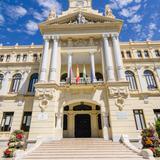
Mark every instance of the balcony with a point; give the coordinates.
(81, 81)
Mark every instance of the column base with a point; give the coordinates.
(105, 134)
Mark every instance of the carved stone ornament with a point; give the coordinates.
(108, 12)
(52, 14)
(44, 95)
(120, 103)
(118, 91)
(43, 104)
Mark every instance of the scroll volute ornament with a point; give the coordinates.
(108, 12)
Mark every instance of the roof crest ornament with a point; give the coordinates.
(52, 14)
(108, 12)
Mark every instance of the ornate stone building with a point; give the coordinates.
(82, 82)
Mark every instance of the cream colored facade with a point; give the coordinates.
(81, 36)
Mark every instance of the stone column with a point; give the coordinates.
(118, 58)
(142, 79)
(70, 124)
(43, 71)
(54, 55)
(59, 120)
(93, 66)
(157, 68)
(69, 64)
(94, 124)
(105, 126)
(109, 67)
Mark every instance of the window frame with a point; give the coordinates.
(3, 126)
(32, 81)
(130, 77)
(140, 115)
(24, 125)
(16, 82)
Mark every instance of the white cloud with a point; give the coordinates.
(1, 20)
(135, 19)
(151, 28)
(50, 4)
(117, 4)
(46, 7)
(130, 11)
(137, 28)
(15, 12)
(31, 27)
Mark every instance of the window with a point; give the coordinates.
(65, 122)
(151, 83)
(6, 121)
(99, 122)
(139, 119)
(157, 113)
(99, 76)
(82, 107)
(8, 58)
(24, 57)
(139, 54)
(64, 77)
(128, 53)
(131, 79)
(16, 80)
(157, 53)
(18, 58)
(35, 57)
(122, 53)
(146, 54)
(33, 80)
(1, 78)
(1, 58)
(26, 121)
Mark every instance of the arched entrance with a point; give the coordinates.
(82, 120)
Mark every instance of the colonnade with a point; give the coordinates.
(110, 59)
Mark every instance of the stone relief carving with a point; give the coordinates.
(80, 43)
(120, 93)
(44, 95)
(120, 103)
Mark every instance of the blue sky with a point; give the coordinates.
(19, 18)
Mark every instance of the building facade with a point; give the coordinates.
(82, 82)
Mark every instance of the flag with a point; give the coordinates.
(84, 74)
(78, 75)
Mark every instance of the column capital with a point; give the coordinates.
(106, 35)
(69, 53)
(55, 37)
(70, 42)
(46, 38)
(115, 35)
(91, 53)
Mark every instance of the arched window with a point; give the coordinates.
(16, 80)
(33, 80)
(131, 79)
(1, 79)
(64, 77)
(99, 76)
(151, 82)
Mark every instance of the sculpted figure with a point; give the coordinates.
(109, 12)
(52, 14)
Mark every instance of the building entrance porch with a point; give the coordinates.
(82, 121)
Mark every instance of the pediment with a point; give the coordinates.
(80, 18)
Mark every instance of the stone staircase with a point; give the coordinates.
(83, 149)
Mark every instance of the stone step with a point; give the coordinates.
(83, 149)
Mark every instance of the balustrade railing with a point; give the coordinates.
(87, 80)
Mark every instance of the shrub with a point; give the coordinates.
(157, 125)
(16, 141)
